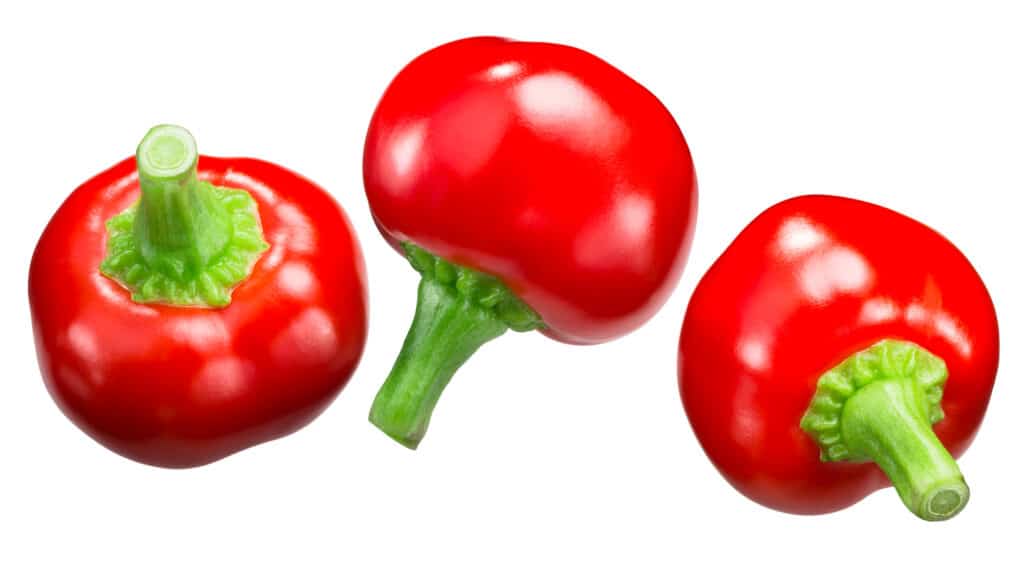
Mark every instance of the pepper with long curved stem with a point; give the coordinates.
(541, 187)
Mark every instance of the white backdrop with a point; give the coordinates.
(542, 457)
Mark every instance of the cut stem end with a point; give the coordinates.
(944, 502)
(166, 151)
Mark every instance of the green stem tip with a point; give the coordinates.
(457, 311)
(186, 242)
(880, 405)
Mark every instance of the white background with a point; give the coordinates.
(542, 457)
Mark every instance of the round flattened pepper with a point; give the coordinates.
(836, 345)
(533, 186)
(186, 307)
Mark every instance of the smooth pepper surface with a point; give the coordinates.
(544, 166)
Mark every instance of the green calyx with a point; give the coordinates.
(481, 290)
(457, 311)
(886, 360)
(186, 242)
(880, 405)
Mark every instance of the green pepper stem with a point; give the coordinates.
(180, 226)
(447, 329)
(884, 422)
(880, 405)
(186, 242)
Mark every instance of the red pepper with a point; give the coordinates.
(533, 186)
(820, 349)
(185, 326)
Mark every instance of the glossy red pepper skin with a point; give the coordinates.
(180, 387)
(544, 166)
(808, 283)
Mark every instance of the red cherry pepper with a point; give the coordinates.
(184, 312)
(814, 353)
(533, 186)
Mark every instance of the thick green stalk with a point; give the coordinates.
(880, 405)
(180, 225)
(457, 311)
(186, 242)
(883, 422)
(446, 330)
